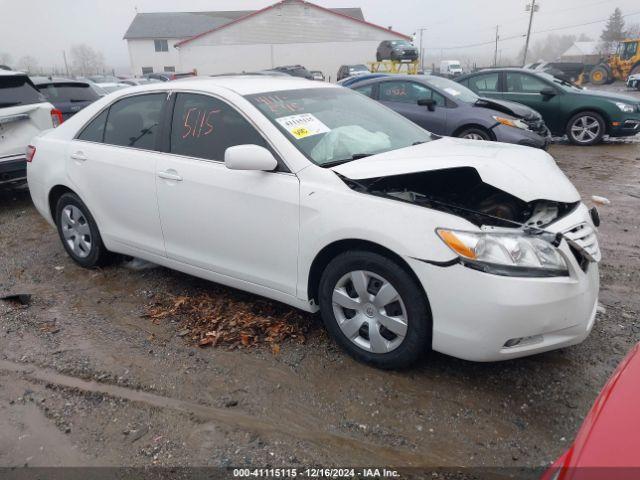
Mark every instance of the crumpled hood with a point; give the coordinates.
(514, 109)
(527, 173)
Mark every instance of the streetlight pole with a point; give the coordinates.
(534, 8)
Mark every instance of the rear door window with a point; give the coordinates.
(523, 83)
(18, 90)
(487, 82)
(68, 92)
(366, 90)
(94, 132)
(408, 92)
(135, 121)
(204, 127)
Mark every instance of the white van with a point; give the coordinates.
(450, 68)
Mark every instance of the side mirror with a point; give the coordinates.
(249, 157)
(430, 103)
(548, 92)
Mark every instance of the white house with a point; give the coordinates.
(583, 52)
(287, 33)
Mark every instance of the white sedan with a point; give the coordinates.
(319, 197)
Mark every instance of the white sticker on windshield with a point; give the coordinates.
(303, 125)
(452, 91)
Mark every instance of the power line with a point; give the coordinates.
(512, 37)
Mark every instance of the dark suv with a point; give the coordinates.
(295, 71)
(396, 50)
(68, 96)
(347, 71)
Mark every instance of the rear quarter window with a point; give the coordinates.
(94, 131)
(18, 90)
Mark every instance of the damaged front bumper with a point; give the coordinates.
(484, 317)
(519, 136)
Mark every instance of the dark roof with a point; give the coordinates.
(52, 80)
(190, 24)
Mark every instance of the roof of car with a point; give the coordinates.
(10, 72)
(241, 84)
(500, 69)
(46, 80)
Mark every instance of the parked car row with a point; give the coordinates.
(445, 107)
(556, 107)
(585, 116)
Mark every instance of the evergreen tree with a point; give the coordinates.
(614, 30)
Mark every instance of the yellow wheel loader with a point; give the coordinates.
(620, 65)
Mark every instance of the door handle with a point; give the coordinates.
(170, 175)
(80, 156)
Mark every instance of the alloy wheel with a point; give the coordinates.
(473, 136)
(370, 311)
(76, 231)
(585, 129)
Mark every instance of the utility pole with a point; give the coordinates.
(421, 30)
(532, 8)
(66, 65)
(495, 53)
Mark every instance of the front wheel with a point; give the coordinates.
(79, 232)
(599, 75)
(474, 133)
(375, 310)
(585, 129)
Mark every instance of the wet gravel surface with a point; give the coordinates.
(85, 380)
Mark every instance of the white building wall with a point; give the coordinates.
(290, 33)
(293, 23)
(142, 53)
(326, 57)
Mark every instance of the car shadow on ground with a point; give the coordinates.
(15, 196)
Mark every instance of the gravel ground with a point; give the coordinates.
(85, 380)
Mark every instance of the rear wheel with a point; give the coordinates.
(585, 128)
(79, 232)
(375, 310)
(599, 75)
(474, 133)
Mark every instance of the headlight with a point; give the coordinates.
(625, 107)
(511, 122)
(516, 254)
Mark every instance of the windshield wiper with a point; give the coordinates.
(355, 156)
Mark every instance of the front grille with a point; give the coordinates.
(537, 125)
(584, 243)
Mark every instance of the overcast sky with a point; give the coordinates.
(44, 28)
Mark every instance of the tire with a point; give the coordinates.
(74, 221)
(378, 57)
(585, 129)
(474, 133)
(407, 312)
(599, 75)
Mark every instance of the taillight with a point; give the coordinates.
(31, 152)
(56, 117)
